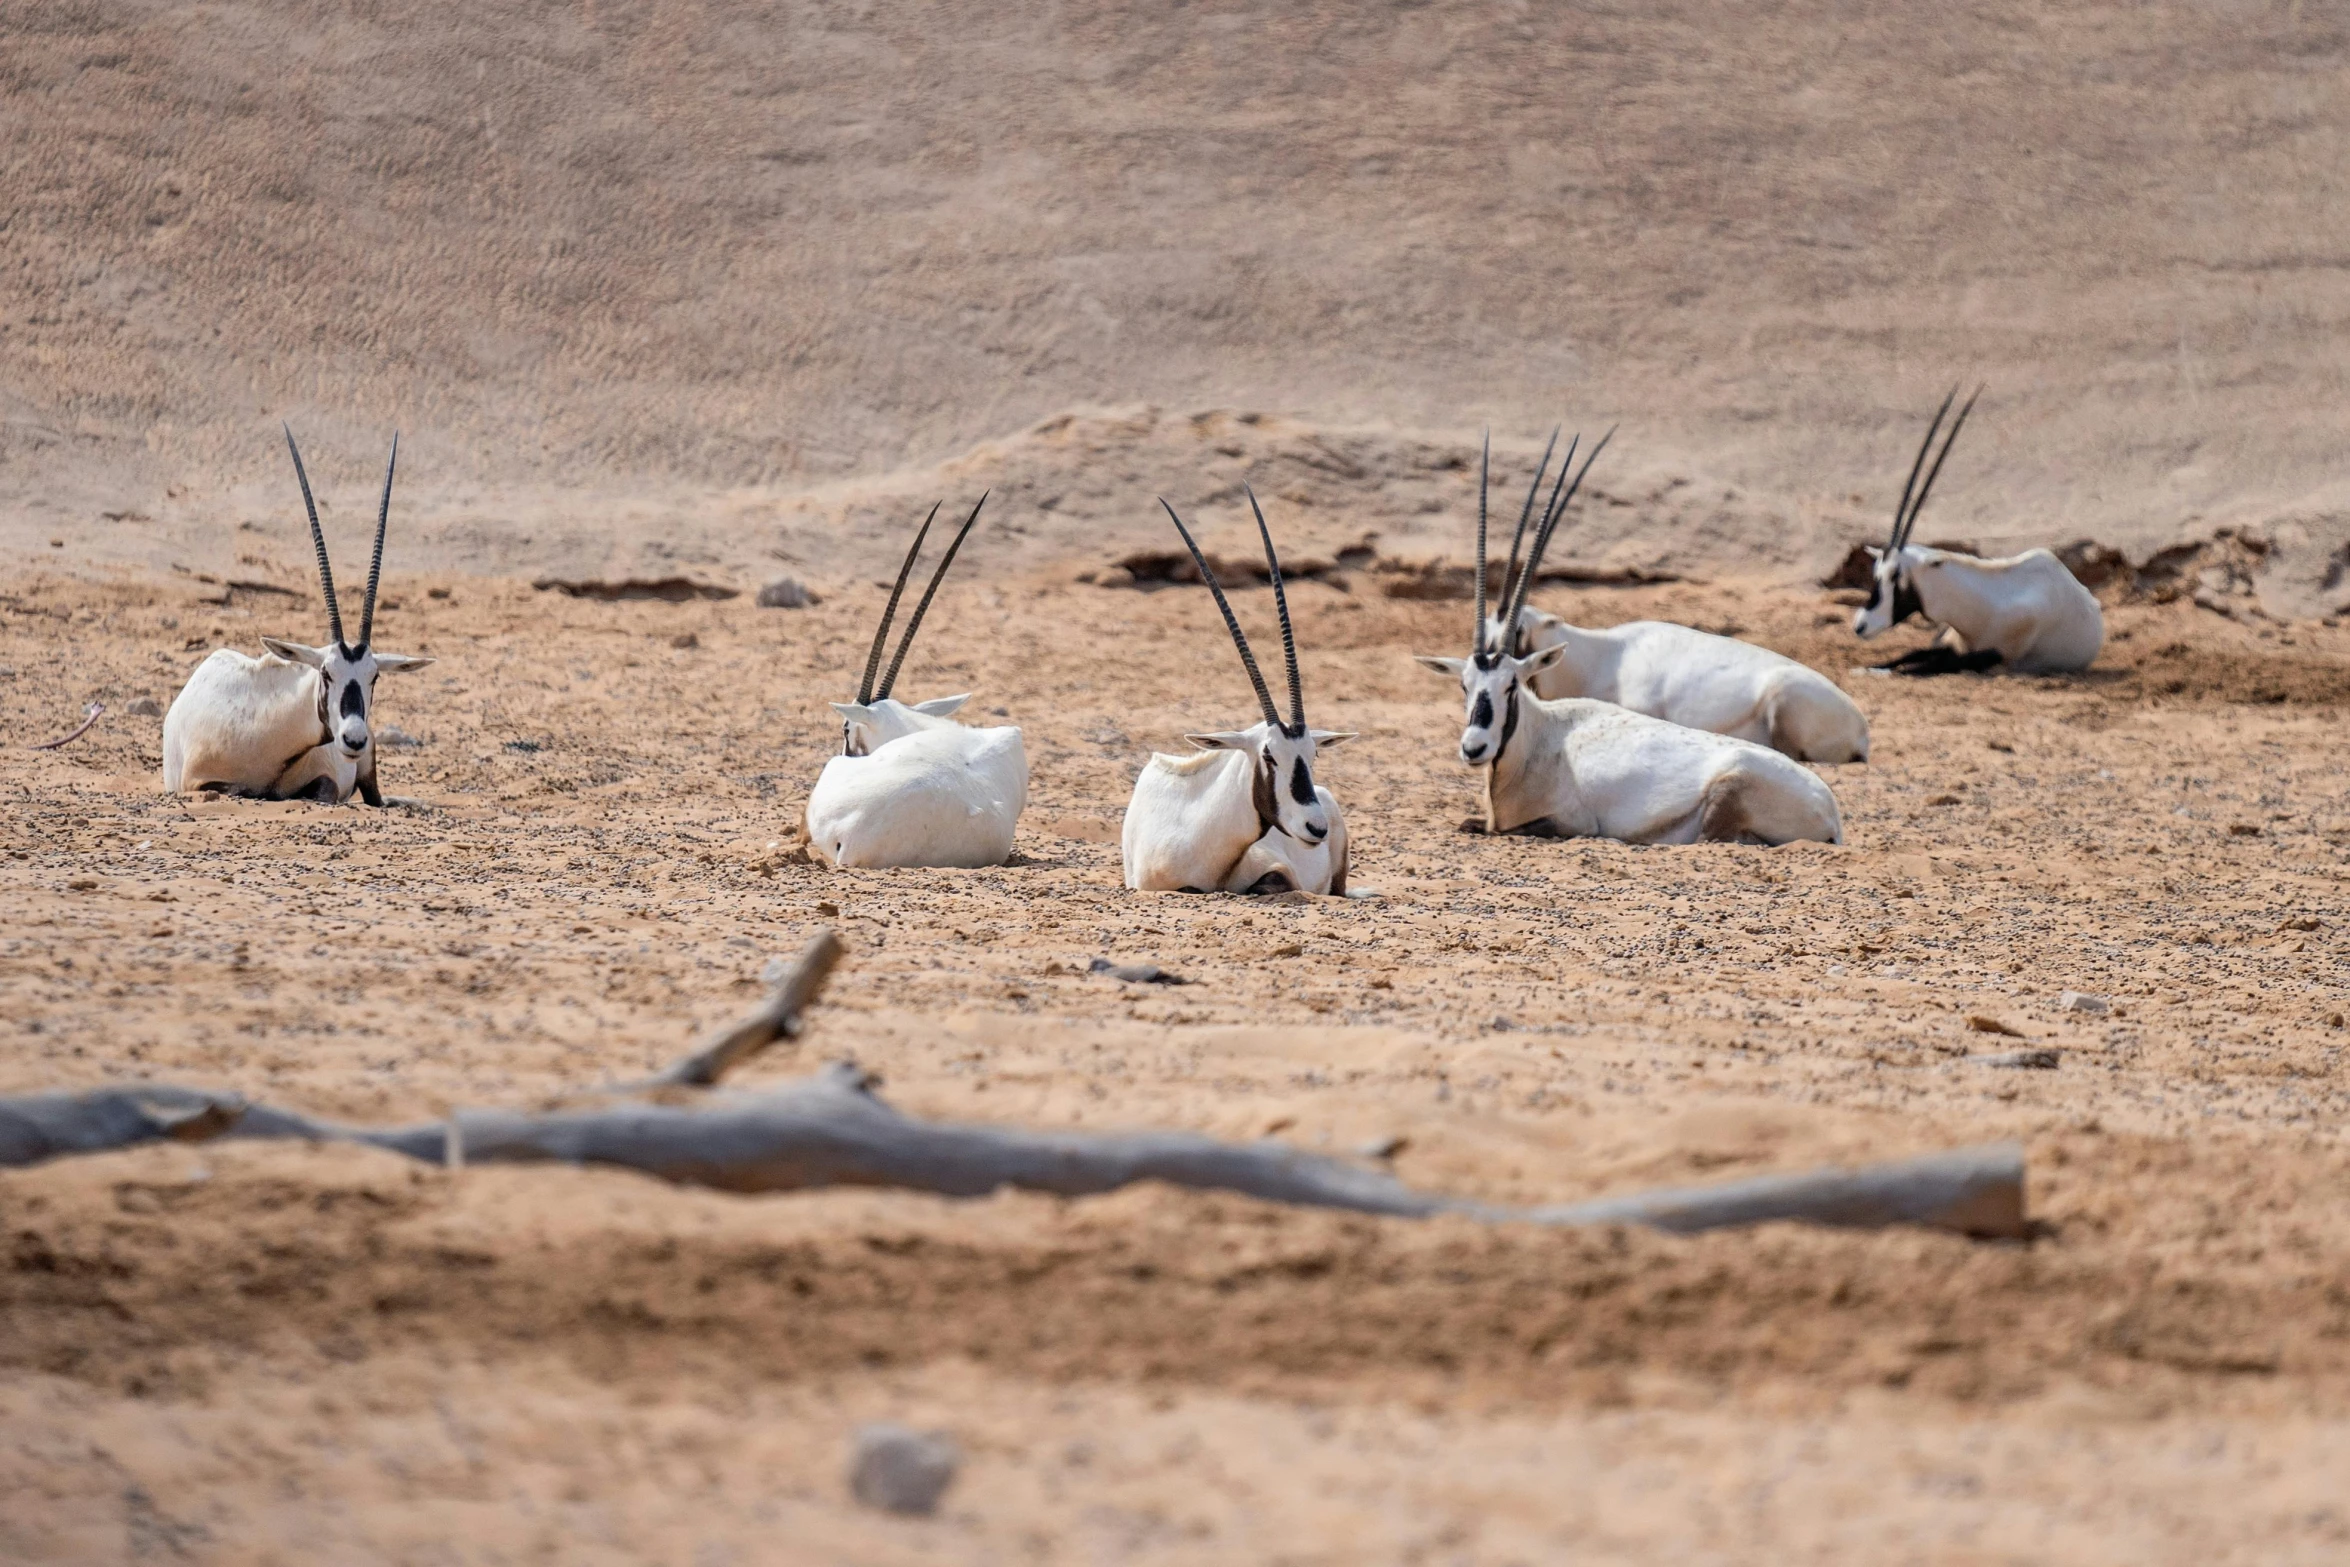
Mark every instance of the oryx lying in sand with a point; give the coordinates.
(1578, 767)
(911, 786)
(1688, 676)
(293, 724)
(1242, 813)
(2026, 612)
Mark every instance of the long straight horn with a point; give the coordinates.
(1550, 521)
(1231, 621)
(375, 566)
(1896, 539)
(326, 573)
(1524, 512)
(1297, 691)
(890, 680)
(881, 632)
(1550, 511)
(1484, 472)
(1932, 473)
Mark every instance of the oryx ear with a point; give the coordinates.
(1324, 739)
(1227, 740)
(854, 712)
(942, 706)
(400, 663)
(1443, 666)
(1542, 658)
(295, 652)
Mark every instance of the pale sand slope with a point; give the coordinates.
(624, 271)
(282, 1355)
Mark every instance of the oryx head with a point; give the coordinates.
(876, 718)
(1283, 752)
(1892, 597)
(347, 669)
(1493, 674)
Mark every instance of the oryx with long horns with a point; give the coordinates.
(1243, 813)
(1578, 767)
(2024, 612)
(911, 786)
(293, 724)
(1667, 671)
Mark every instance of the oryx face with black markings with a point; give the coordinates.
(1493, 683)
(1494, 679)
(1283, 756)
(347, 668)
(1282, 750)
(1893, 597)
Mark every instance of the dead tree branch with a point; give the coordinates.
(831, 1129)
(90, 715)
(776, 1018)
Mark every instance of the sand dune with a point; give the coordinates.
(710, 295)
(610, 247)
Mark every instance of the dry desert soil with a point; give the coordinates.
(711, 294)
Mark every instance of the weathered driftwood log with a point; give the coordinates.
(832, 1130)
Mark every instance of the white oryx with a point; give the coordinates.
(1578, 767)
(911, 786)
(2026, 612)
(292, 724)
(1678, 673)
(1242, 813)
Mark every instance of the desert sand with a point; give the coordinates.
(730, 293)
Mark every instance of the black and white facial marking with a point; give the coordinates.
(1282, 783)
(346, 688)
(1494, 675)
(1493, 683)
(1283, 750)
(347, 669)
(1892, 596)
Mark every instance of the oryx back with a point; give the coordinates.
(2029, 607)
(241, 725)
(1628, 776)
(912, 787)
(1244, 813)
(950, 796)
(1704, 681)
(1191, 819)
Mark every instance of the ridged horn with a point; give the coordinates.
(889, 681)
(881, 632)
(1297, 693)
(375, 565)
(326, 572)
(1231, 621)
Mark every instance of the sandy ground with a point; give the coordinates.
(250, 1354)
(734, 290)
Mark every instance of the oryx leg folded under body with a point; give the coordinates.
(2024, 612)
(1199, 823)
(293, 724)
(1243, 813)
(913, 787)
(1579, 768)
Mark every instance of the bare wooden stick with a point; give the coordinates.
(776, 1018)
(831, 1129)
(90, 715)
